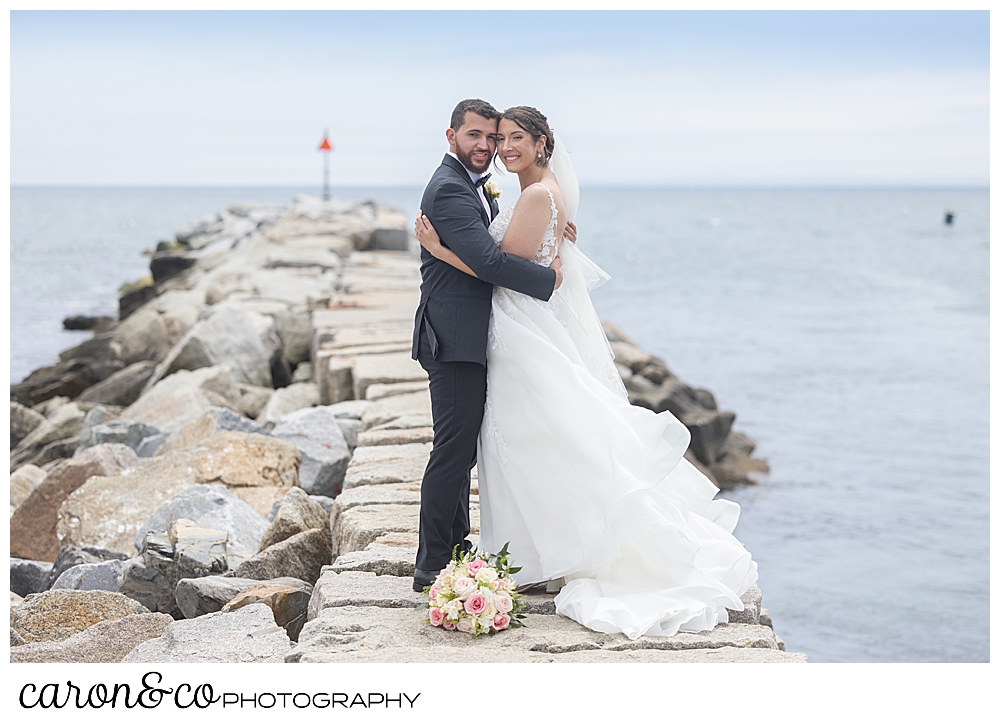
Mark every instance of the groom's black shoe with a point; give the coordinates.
(422, 578)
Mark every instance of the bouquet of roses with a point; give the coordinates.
(475, 594)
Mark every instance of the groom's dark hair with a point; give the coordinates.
(477, 106)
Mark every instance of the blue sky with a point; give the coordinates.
(640, 98)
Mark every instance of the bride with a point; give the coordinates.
(584, 486)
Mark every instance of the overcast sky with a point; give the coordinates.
(639, 98)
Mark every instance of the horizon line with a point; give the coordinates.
(596, 186)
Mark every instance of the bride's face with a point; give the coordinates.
(516, 149)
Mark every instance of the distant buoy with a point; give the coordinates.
(949, 217)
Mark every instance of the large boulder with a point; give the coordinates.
(301, 556)
(294, 328)
(325, 454)
(67, 378)
(66, 422)
(143, 336)
(22, 482)
(289, 603)
(708, 432)
(289, 399)
(297, 513)
(101, 426)
(108, 511)
(247, 635)
(91, 576)
(184, 396)
(202, 595)
(70, 556)
(105, 642)
(212, 421)
(33, 525)
(29, 576)
(58, 614)
(242, 340)
(214, 507)
(23, 420)
(253, 400)
(123, 387)
(167, 557)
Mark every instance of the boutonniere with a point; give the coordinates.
(493, 190)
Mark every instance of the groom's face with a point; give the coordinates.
(474, 142)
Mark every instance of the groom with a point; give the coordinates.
(450, 328)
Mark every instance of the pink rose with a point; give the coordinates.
(466, 625)
(475, 566)
(448, 624)
(504, 603)
(501, 621)
(475, 603)
(437, 617)
(465, 586)
(435, 589)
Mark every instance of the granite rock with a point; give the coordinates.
(301, 556)
(184, 396)
(202, 595)
(23, 420)
(22, 483)
(289, 399)
(289, 603)
(34, 525)
(57, 614)
(65, 423)
(105, 642)
(325, 455)
(121, 388)
(212, 507)
(297, 513)
(212, 421)
(387, 464)
(70, 556)
(91, 576)
(247, 635)
(29, 576)
(232, 336)
(185, 551)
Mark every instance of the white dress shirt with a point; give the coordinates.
(479, 191)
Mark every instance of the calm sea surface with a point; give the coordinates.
(848, 329)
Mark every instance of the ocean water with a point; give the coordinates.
(848, 330)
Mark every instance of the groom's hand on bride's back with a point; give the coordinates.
(556, 266)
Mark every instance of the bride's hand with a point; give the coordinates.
(569, 233)
(426, 234)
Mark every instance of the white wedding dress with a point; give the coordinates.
(585, 486)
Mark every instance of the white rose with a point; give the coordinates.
(465, 586)
(503, 602)
(453, 609)
(487, 576)
(466, 625)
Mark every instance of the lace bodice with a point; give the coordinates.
(549, 247)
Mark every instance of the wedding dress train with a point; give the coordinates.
(585, 486)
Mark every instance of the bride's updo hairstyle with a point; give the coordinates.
(536, 125)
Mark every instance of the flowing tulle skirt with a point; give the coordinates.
(586, 487)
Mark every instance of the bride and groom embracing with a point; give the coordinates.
(589, 491)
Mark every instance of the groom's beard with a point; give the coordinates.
(469, 163)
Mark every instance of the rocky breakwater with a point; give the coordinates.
(172, 477)
(230, 471)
